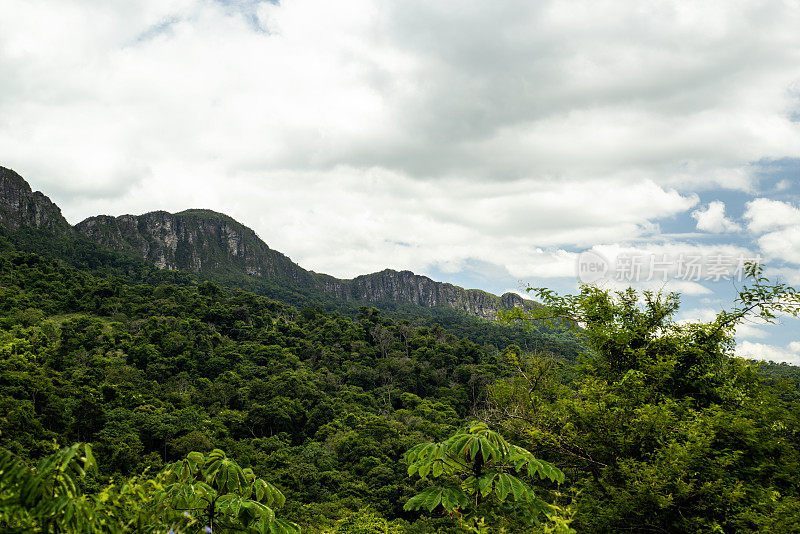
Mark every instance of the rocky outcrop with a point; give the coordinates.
(198, 241)
(203, 241)
(211, 243)
(405, 286)
(21, 207)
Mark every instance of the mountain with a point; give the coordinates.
(20, 207)
(405, 286)
(197, 241)
(216, 246)
(207, 242)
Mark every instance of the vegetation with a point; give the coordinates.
(659, 430)
(207, 490)
(223, 494)
(319, 405)
(46, 497)
(121, 386)
(475, 470)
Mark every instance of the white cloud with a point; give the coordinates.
(684, 287)
(697, 315)
(785, 274)
(749, 331)
(674, 259)
(351, 221)
(783, 244)
(712, 219)
(764, 214)
(760, 351)
(359, 135)
(779, 224)
(679, 93)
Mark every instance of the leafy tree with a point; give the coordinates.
(478, 473)
(50, 497)
(226, 496)
(660, 428)
(47, 496)
(365, 522)
(657, 428)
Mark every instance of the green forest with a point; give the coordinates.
(133, 400)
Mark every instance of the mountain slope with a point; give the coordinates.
(216, 246)
(198, 241)
(405, 286)
(20, 207)
(210, 243)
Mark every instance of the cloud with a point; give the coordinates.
(679, 94)
(351, 221)
(779, 224)
(760, 351)
(684, 287)
(675, 260)
(749, 331)
(789, 275)
(713, 219)
(359, 135)
(764, 214)
(783, 244)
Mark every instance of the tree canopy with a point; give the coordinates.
(120, 390)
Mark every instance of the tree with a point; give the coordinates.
(383, 337)
(660, 428)
(46, 498)
(226, 496)
(627, 330)
(478, 473)
(365, 522)
(221, 495)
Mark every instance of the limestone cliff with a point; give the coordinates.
(198, 241)
(405, 286)
(211, 243)
(21, 207)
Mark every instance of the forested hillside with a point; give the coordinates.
(217, 247)
(171, 380)
(399, 267)
(147, 372)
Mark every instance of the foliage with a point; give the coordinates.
(227, 496)
(366, 522)
(659, 428)
(47, 496)
(761, 299)
(477, 472)
(656, 428)
(51, 497)
(150, 371)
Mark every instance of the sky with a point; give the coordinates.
(488, 144)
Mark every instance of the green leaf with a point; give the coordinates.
(428, 499)
(474, 448)
(503, 486)
(437, 468)
(485, 483)
(453, 499)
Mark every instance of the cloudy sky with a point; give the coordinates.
(484, 143)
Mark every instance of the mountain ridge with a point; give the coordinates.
(207, 242)
(20, 206)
